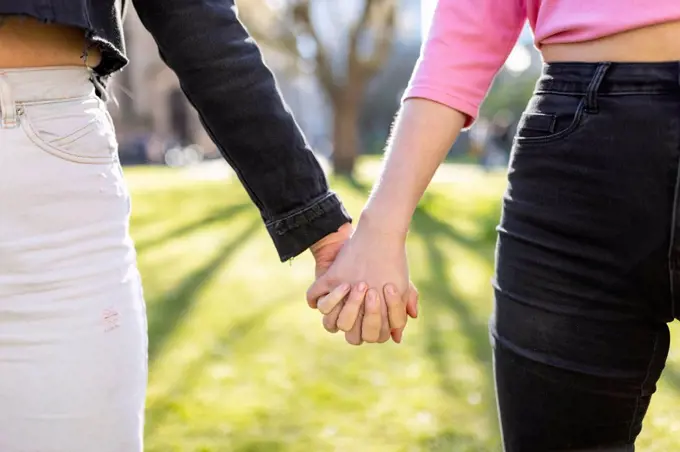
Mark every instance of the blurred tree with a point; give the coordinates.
(343, 71)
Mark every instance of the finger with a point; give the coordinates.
(412, 303)
(396, 308)
(397, 335)
(370, 325)
(350, 310)
(354, 335)
(411, 310)
(330, 320)
(328, 302)
(317, 290)
(385, 324)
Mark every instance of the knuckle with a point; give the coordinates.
(345, 325)
(356, 297)
(370, 335)
(392, 300)
(398, 321)
(373, 309)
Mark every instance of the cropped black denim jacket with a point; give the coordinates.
(223, 75)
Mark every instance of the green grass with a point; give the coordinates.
(239, 363)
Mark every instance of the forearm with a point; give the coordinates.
(222, 73)
(467, 45)
(423, 135)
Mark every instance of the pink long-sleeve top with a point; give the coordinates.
(470, 40)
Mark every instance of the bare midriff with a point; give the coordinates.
(655, 43)
(26, 42)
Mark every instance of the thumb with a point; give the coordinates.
(318, 289)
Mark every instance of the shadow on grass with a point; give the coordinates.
(424, 221)
(261, 445)
(181, 231)
(158, 412)
(448, 441)
(426, 224)
(437, 289)
(166, 312)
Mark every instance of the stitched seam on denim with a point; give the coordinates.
(314, 203)
(578, 119)
(63, 155)
(74, 136)
(594, 87)
(674, 224)
(577, 314)
(305, 216)
(559, 364)
(55, 100)
(528, 126)
(615, 93)
(61, 141)
(642, 388)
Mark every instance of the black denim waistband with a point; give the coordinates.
(610, 78)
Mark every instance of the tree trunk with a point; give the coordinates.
(345, 137)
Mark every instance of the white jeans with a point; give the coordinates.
(73, 345)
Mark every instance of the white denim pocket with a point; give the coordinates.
(76, 130)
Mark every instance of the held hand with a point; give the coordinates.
(374, 258)
(325, 251)
(333, 303)
(392, 298)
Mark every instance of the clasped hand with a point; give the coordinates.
(362, 285)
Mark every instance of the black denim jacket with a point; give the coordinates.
(222, 73)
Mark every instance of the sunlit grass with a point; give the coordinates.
(239, 363)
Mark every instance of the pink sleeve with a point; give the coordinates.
(468, 43)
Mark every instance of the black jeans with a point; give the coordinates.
(588, 256)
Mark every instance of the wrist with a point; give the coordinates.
(343, 233)
(383, 223)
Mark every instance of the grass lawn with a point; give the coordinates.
(239, 363)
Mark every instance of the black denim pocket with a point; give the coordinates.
(550, 117)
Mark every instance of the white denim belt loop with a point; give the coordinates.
(7, 105)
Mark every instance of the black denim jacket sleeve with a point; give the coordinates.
(222, 73)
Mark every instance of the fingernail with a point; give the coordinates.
(361, 287)
(390, 289)
(344, 287)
